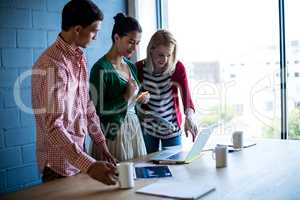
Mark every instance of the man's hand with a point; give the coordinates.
(104, 172)
(105, 155)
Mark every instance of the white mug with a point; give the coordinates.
(220, 155)
(238, 139)
(126, 175)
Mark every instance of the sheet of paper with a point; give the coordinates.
(175, 189)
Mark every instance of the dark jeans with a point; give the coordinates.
(152, 143)
(50, 175)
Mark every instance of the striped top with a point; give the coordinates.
(179, 82)
(161, 104)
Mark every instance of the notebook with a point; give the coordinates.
(177, 189)
(178, 156)
(153, 172)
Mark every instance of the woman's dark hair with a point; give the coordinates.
(80, 12)
(124, 25)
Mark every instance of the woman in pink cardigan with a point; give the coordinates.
(162, 76)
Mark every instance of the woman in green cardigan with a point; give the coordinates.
(114, 92)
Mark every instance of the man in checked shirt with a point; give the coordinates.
(60, 99)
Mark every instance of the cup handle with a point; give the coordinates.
(213, 154)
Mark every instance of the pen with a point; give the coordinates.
(246, 146)
(233, 150)
(170, 162)
(250, 145)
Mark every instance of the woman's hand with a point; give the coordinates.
(130, 89)
(143, 98)
(190, 125)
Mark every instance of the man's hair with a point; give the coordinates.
(80, 12)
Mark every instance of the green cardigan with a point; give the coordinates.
(106, 91)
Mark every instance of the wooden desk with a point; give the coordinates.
(268, 170)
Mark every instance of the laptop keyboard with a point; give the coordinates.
(165, 154)
(179, 156)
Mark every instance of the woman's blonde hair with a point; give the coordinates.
(165, 38)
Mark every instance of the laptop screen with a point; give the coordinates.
(199, 143)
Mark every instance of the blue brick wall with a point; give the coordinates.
(10, 157)
(2, 180)
(28, 154)
(15, 18)
(8, 77)
(27, 27)
(24, 57)
(39, 35)
(2, 93)
(8, 38)
(23, 175)
(1, 139)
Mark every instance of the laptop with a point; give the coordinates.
(179, 156)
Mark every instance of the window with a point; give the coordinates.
(145, 12)
(234, 51)
(292, 55)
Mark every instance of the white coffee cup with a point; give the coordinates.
(126, 175)
(238, 139)
(220, 155)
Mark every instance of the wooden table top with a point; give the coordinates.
(268, 170)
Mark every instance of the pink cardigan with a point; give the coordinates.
(179, 80)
